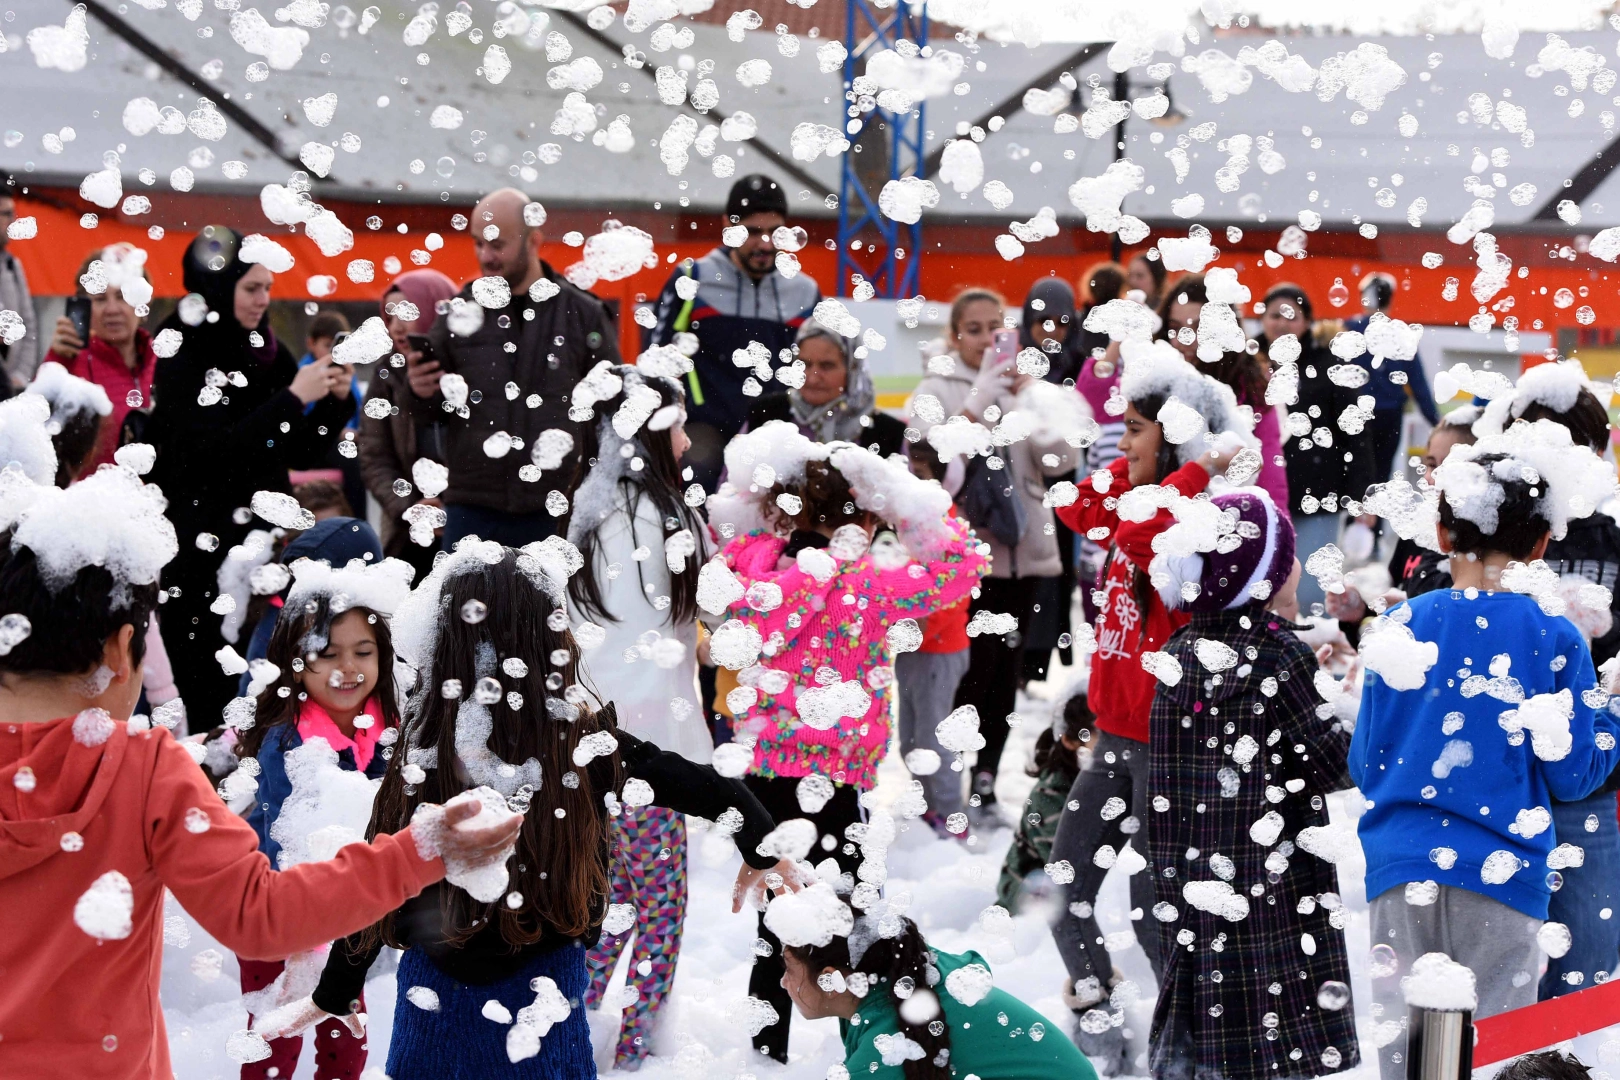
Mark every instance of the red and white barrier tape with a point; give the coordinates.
(1507, 1035)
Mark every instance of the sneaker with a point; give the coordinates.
(1105, 1049)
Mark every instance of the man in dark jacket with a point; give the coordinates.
(509, 353)
(728, 299)
(1391, 380)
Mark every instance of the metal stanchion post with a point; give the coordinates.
(1439, 1044)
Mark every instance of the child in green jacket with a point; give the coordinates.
(906, 1010)
(1056, 761)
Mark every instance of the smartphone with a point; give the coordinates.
(78, 313)
(1004, 346)
(423, 345)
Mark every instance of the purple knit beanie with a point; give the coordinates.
(1261, 549)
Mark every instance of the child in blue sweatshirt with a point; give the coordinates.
(1479, 710)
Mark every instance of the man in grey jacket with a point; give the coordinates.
(21, 357)
(499, 375)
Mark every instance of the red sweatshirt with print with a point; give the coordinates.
(1121, 691)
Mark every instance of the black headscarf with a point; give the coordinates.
(211, 268)
(1057, 305)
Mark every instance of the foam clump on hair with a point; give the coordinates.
(813, 916)
(1567, 481)
(1156, 369)
(382, 587)
(67, 394)
(111, 520)
(415, 624)
(25, 439)
(1555, 386)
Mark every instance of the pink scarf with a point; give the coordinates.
(313, 722)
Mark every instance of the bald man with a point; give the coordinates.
(520, 361)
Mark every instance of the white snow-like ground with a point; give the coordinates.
(702, 1032)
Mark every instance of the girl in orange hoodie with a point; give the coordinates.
(100, 812)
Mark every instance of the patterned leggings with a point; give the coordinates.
(649, 874)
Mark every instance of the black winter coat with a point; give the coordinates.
(566, 337)
(1327, 460)
(212, 458)
(1241, 996)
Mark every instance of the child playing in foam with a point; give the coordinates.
(1479, 709)
(102, 813)
(331, 703)
(642, 546)
(1240, 757)
(1172, 416)
(812, 598)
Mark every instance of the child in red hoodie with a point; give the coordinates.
(100, 812)
(1107, 804)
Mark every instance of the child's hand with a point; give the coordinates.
(297, 1017)
(753, 884)
(476, 847)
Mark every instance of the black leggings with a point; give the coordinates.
(780, 796)
(995, 664)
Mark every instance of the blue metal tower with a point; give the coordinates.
(890, 146)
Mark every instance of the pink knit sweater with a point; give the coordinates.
(840, 625)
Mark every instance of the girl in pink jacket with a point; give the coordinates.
(817, 596)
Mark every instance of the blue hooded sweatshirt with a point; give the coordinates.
(1459, 791)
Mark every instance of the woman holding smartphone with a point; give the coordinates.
(978, 380)
(101, 339)
(392, 444)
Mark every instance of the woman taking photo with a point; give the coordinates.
(837, 402)
(118, 357)
(1326, 464)
(220, 440)
(389, 446)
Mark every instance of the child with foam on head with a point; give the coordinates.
(812, 598)
(634, 604)
(909, 1010)
(1181, 429)
(1587, 560)
(495, 964)
(1480, 707)
(102, 812)
(1242, 749)
(326, 702)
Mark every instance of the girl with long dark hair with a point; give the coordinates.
(1133, 622)
(910, 1010)
(333, 681)
(642, 546)
(498, 703)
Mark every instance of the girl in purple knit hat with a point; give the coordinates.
(1243, 748)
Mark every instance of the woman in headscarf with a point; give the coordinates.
(228, 421)
(1049, 324)
(389, 446)
(836, 401)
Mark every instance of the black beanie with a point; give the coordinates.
(213, 266)
(755, 194)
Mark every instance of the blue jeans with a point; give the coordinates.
(513, 530)
(1589, 891)
(1312, 531)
